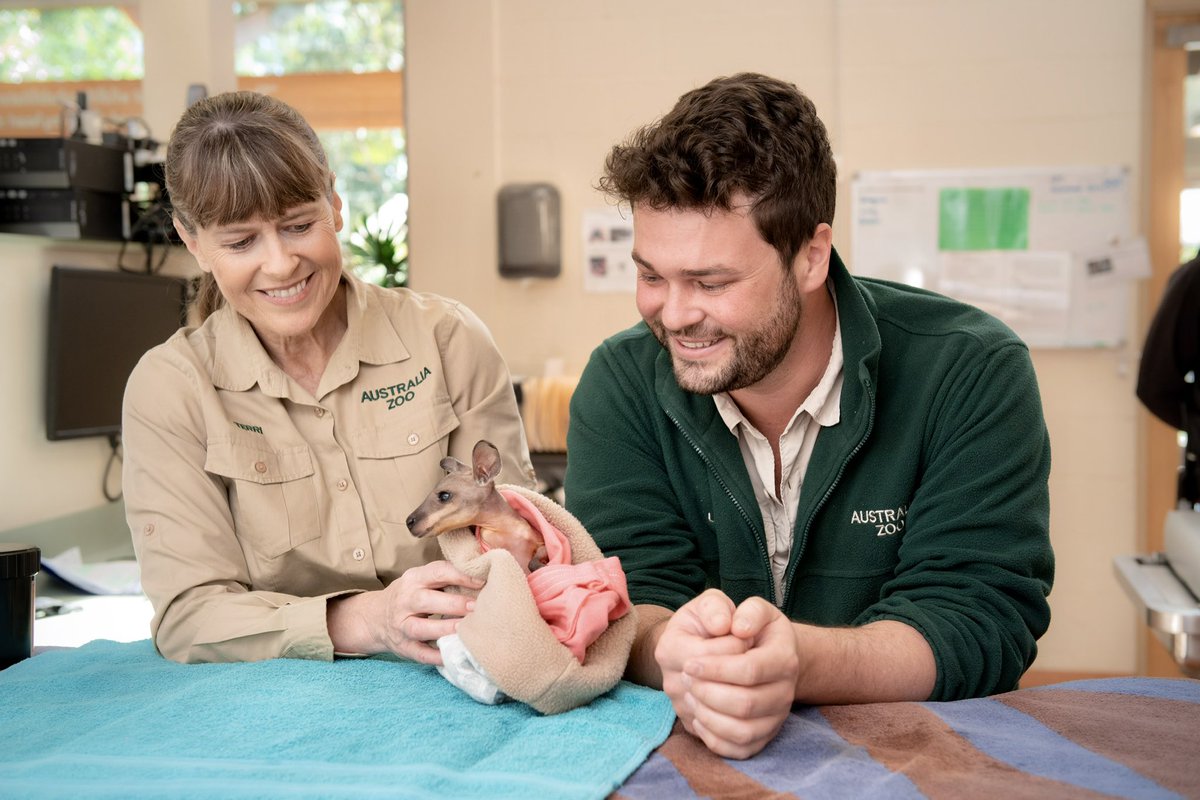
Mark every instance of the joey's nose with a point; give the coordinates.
(411, 521)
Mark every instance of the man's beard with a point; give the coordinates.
(755, 353)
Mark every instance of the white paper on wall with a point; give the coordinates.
(1050, 251)
(607, 251)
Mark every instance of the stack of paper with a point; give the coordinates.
(105, 577)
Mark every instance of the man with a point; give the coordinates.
(823, 489)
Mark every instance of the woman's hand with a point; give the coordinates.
(404, 618)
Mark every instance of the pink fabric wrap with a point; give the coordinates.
(578, 601)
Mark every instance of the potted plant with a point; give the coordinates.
(379, 245)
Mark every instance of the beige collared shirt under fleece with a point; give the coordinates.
(251, 501)
(778, 507)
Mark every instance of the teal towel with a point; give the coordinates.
(117, 720)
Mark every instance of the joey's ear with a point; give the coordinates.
(452, 464)
(487, 462)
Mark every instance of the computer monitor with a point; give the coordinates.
(100, 324)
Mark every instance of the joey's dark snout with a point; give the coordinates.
(419, 524)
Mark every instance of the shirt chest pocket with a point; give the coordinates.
(400, 462)
(272, 494)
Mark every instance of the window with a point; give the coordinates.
(340, 63)
(69, 44)
(48, 55)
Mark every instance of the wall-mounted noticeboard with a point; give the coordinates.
(1050, 251)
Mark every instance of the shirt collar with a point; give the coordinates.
(375, 338)
(239, 359)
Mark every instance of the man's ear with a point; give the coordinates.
(812, 262)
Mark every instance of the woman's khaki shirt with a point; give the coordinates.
(251, 502)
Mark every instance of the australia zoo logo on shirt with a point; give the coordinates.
(885, 521)
(397, 394)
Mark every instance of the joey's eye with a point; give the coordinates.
(444, 497)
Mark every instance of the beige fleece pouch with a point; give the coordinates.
(510, 640)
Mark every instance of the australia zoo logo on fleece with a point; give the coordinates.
(397, 394)
(885, 521)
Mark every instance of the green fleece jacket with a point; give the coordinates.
(927, 503)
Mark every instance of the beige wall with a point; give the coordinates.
(506, 91)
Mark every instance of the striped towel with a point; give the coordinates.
(1126, 737)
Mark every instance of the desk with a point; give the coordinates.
(101, 534)
(1128, 737)
(119, 618)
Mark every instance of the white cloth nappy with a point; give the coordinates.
(461, 669)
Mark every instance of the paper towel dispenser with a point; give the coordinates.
(530, 242)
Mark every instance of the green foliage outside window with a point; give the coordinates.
(319, 36)
(69, 44)
(378, 244)
(372, 179)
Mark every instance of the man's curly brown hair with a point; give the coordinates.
(747, 134)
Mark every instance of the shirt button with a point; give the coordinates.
(359, 554)
(342, 484)
(149, 529)
(260, 467)
(320, 412)
(413, 438)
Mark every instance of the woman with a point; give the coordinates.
(273, 453)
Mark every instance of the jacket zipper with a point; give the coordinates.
(791, 570)
(762, 548)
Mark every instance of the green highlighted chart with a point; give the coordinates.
(1049, 251)
(983, 219)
